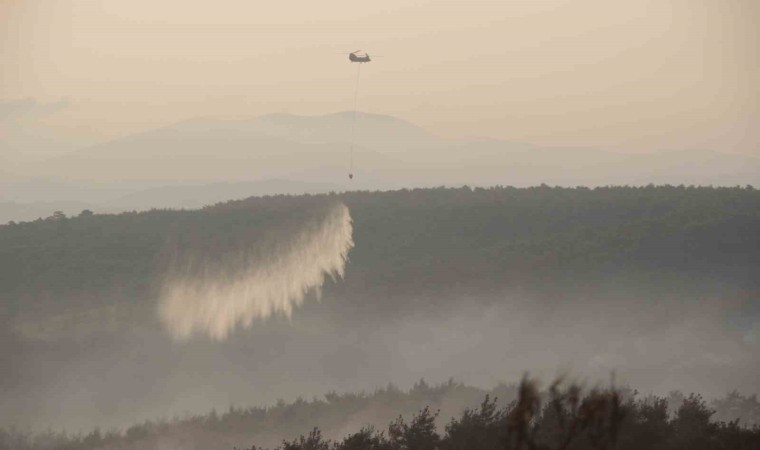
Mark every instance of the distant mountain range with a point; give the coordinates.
(175, 197)
(206, 160)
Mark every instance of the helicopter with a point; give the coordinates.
(357, 58)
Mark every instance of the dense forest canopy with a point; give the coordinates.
(416, 240)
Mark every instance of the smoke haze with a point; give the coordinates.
(633, 75)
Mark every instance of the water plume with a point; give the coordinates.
(254, 283)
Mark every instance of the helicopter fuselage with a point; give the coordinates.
(353, 57)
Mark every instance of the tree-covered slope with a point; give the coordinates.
(419, 242)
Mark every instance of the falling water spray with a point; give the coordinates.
(213, 299)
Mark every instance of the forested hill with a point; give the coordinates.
(454, 236)
(414, 242)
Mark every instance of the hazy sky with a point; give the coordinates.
(632, 75)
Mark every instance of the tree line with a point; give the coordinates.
(449, 416)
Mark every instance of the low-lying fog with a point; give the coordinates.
(118, 380)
